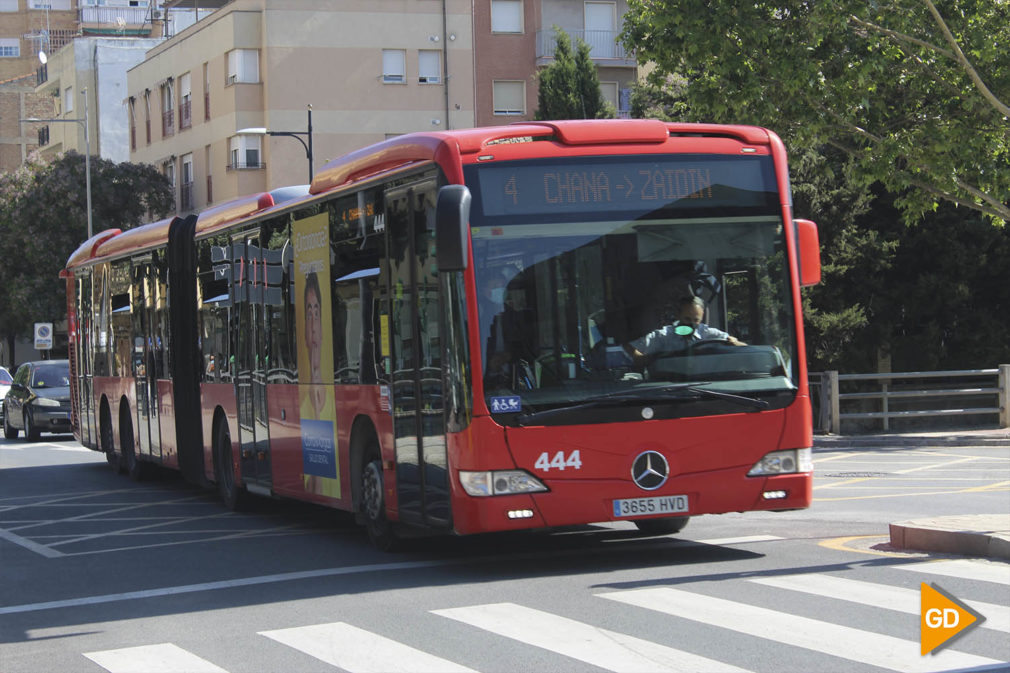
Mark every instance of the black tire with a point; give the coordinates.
(674, 524)
(234, 496)
(109, 443)
(373, 503)
(10, 432)
(32, 433)
(134, 467)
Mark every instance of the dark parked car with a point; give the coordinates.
(39, 400)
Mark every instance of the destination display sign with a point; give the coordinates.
(634, 184)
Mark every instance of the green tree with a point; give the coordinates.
(569, 88)
(913, 92)
(43, 219)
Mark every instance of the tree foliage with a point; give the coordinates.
(43, 219)
(915, 93)
(569, 88)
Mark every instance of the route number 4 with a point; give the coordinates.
(559, 461)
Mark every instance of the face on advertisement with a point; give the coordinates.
(313, 327)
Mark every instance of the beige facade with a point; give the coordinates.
(369, 70)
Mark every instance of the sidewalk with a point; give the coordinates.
(971, 437)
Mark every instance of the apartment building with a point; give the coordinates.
(26, 28)
(369, 71)
(516, 38)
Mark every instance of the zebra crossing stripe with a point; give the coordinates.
(982, 571)
(163, 658)
(592, 645)
(837, 640)
(359, 651)
(879, 596)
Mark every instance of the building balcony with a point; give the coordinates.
(115, 20)
(604, 48)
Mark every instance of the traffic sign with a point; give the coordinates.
(43, 336)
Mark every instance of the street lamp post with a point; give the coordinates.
(87, 150)
(297, 135)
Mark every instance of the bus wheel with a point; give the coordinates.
(108, 443)
(373, 505)
(134, 467)
(32, 433)
(669, 526)
(234, 496)
(10, 432)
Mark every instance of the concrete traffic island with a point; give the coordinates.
(983, 535)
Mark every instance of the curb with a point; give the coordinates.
(983, 536)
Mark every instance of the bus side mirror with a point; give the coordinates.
(810, 253)
(452, 217)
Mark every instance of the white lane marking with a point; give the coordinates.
(592, 645)
(29, 544)
(983, 571)
(163, 658)
(223, 584)
(997, 617)
(837, 640)
(360, 651)
(739, 540)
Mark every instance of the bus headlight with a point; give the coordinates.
(499, 482)
(789, 461)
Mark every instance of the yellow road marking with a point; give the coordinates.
(839, 544)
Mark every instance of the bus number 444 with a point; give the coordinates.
(559, 462)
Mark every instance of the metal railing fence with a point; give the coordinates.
(862, 400)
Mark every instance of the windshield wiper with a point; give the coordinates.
(675, 392)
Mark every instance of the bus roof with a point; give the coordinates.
(89, 248)
(426, 146)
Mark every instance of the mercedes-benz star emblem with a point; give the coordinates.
(650, 470)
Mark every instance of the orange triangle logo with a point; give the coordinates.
(942, 618)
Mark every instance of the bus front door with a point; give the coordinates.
(414, 315)
(251, 362)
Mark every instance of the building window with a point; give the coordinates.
(244, 152)
(206, 92)
(610, 93)
(185, 102)
(68, 100)
(167, 110)
(10, 47)
(8, 6)
(429, 66)
(243, 66)
(186, 186)
(394, 69)
(506, 16)
(509, 97)
(601, 29)
(133, 123)
(147, 115)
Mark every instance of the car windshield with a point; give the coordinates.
(51, 376)
(5, 377)
(577, 306)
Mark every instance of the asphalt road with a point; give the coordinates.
(99, 573)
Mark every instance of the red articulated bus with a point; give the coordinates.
(529, 326)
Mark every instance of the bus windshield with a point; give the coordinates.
(611, 280)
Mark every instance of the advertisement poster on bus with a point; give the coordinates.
(320, 471)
